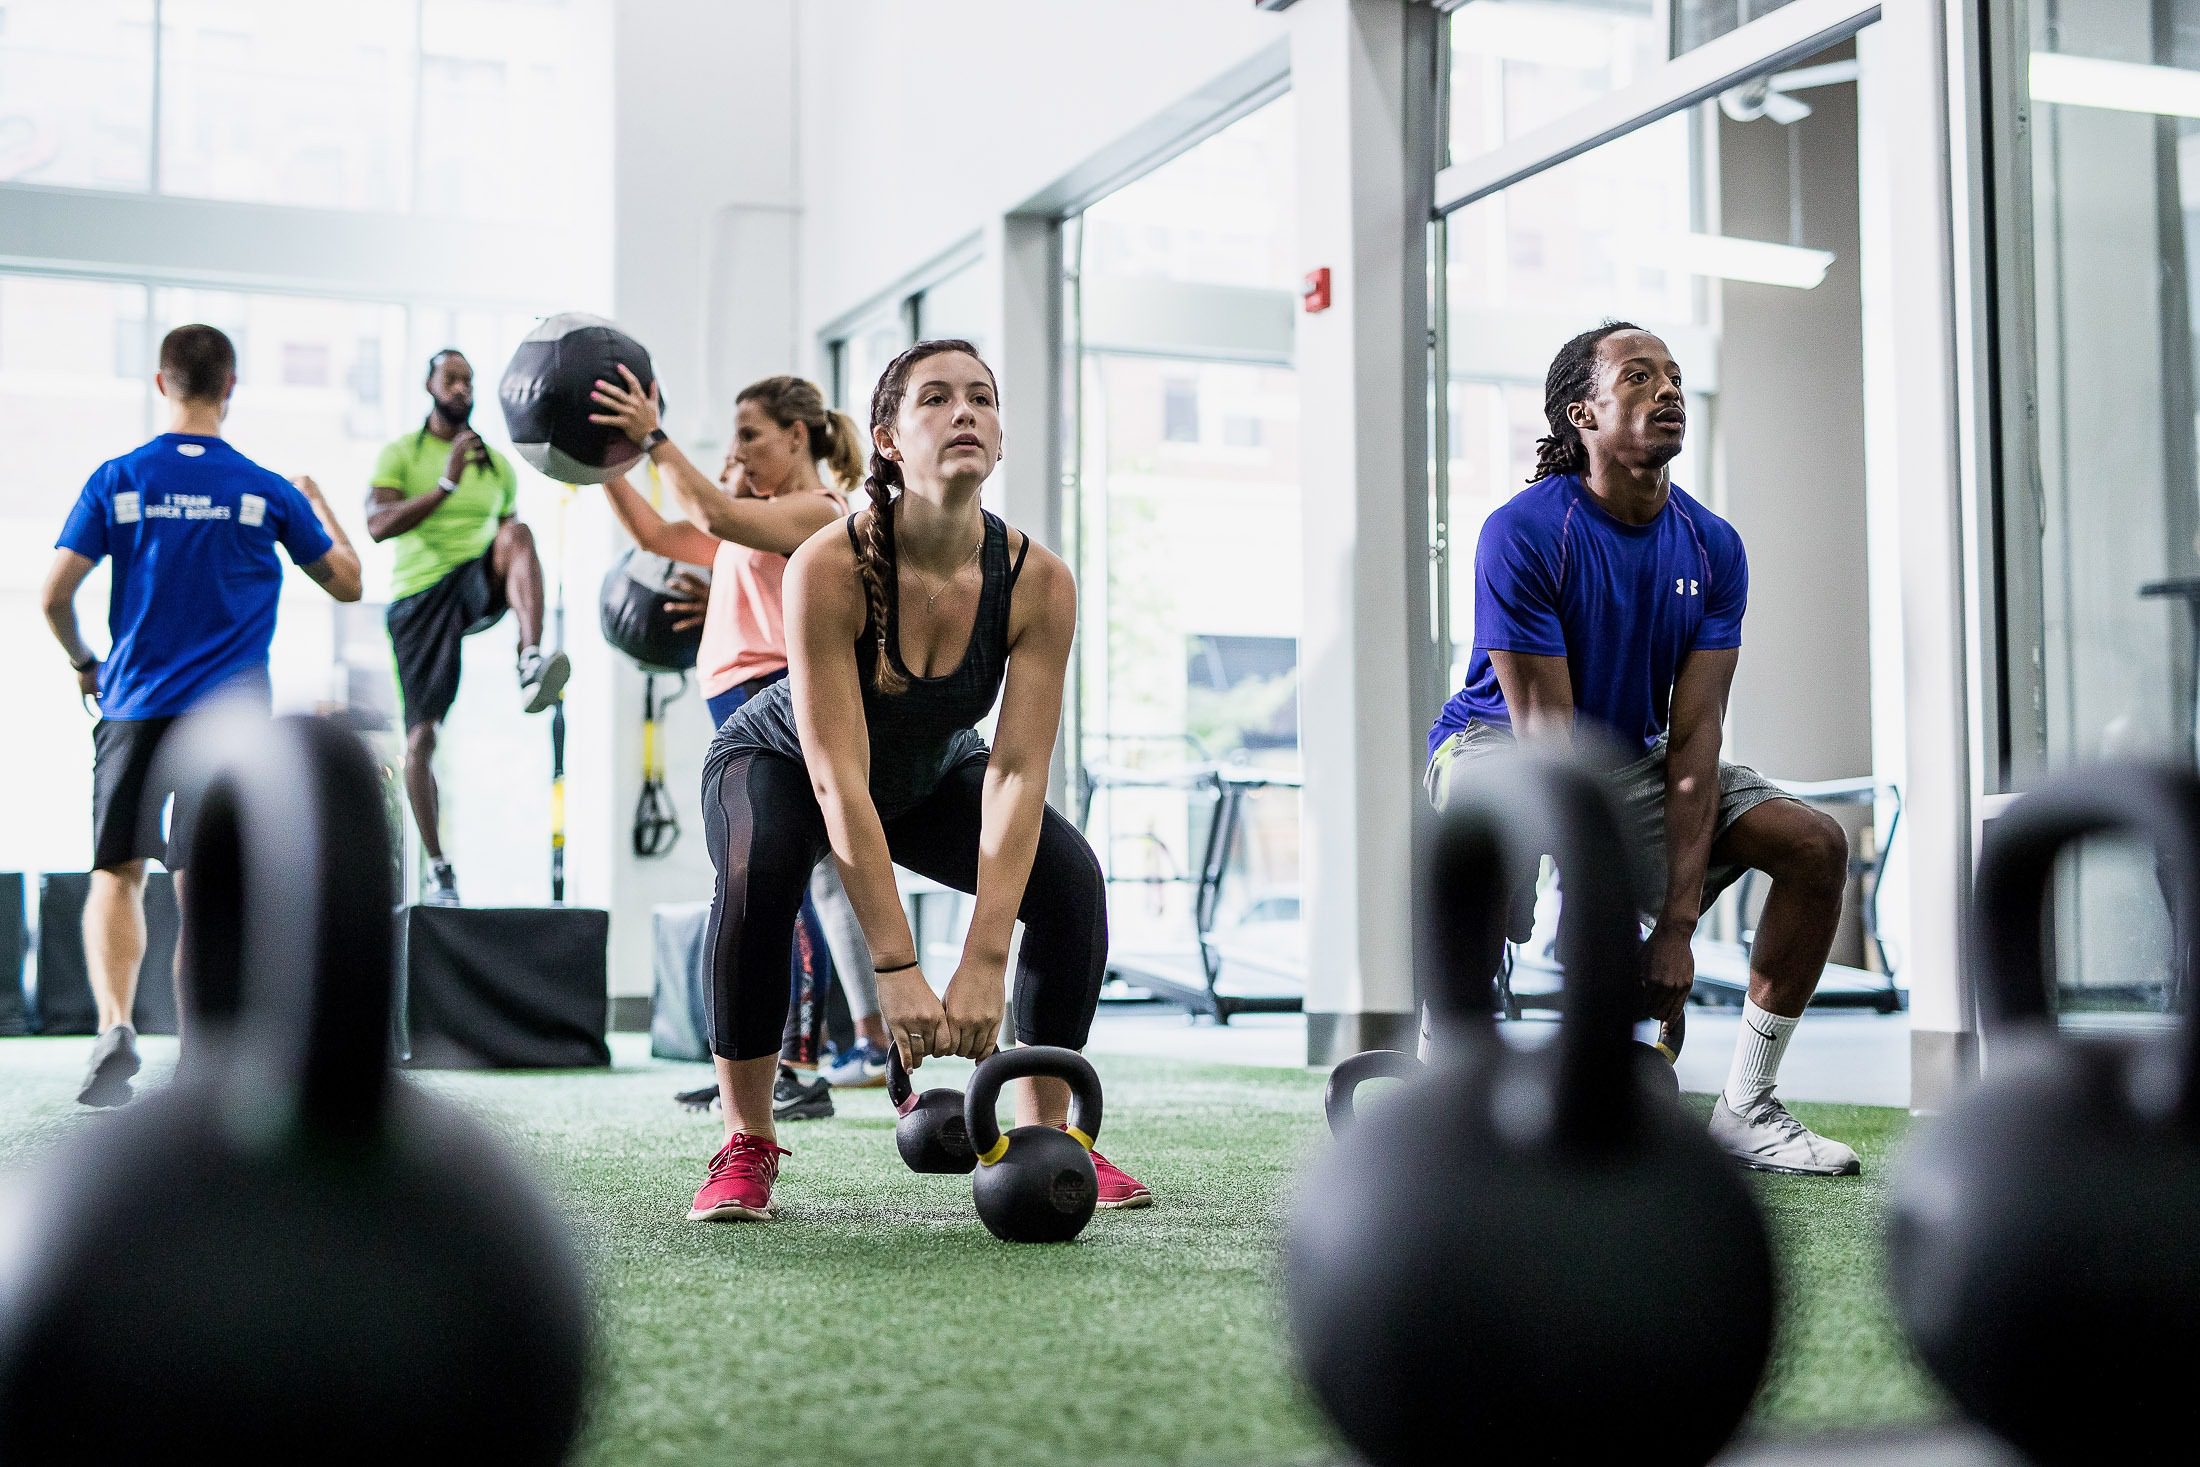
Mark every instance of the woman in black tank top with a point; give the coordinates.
(903, 628)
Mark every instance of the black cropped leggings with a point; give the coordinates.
(765, 833)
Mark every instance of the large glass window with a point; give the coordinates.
(476, 109)
(955, 307)
(860, 357)
(75, 80)
(70, 353)
(1189, 544)
(2101, 548)
(1222, 213)
(1518, 64)
(503, 126)
(268, 102)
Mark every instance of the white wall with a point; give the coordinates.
(921, 122)
(702, 274)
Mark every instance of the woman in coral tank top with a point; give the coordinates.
(771, 495)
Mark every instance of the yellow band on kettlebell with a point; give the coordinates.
(1079, 1137)
(994, 1152)
(1671, 1057)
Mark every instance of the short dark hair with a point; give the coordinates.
(437, 360)
(198, 362)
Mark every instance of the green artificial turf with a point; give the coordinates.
(878, 1320)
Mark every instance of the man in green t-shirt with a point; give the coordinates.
(463, 559)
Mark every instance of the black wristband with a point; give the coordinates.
(87, 664)
(653, 437)
(897, 968)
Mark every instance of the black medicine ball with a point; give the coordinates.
(545, 393)
(634, 618)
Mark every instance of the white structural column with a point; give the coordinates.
(1363, 74)
(1022, 269)
(1912, 315)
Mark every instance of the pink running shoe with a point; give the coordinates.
(740, 1182)
(1118, 1188)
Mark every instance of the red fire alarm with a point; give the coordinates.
(1316, 293)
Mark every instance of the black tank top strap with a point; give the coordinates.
(853, 543)
(1018, 568)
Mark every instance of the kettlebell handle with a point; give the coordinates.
(1345, 1080)
(2159, 803)
(1519, 806)
(1012, 1064)
(287, 912)
(901, 1092)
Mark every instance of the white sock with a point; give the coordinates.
(530, 650)
(1757, 1050)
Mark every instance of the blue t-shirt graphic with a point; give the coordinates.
(191, 525)
(1557, 576)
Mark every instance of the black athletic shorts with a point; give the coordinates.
(427, 627)
(127, 796)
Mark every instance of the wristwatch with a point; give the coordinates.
(652, 438)
(87, 664)
(446, 485)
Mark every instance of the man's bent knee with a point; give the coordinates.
(420, 741)
(1820, 855)
(515, 536)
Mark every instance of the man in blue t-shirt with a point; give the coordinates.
(191, 526)
(1609, 603)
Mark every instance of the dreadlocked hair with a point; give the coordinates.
(875, 530)
(1572, 378)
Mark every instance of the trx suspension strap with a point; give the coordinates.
(656, 826)
(557, 719)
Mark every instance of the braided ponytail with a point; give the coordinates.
(1571, 379)
(875, 562)
(875, 529)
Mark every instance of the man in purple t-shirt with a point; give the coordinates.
(1609, 602)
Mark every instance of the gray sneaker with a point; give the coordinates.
(114, 1061)
(442, 885)
(1768, 1139)
(542, 680)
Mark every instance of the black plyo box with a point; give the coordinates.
(64, 983)
(507, 987)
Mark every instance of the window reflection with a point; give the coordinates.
(74, 80)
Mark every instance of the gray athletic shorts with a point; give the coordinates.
(1641, 790)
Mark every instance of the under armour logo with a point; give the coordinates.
(1682, 586)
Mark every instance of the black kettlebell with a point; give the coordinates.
(2043, 1235)
(930, 1134)
(1035, 1184)
(1538, 1252)
(288, 1255)
(1355, 1071)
